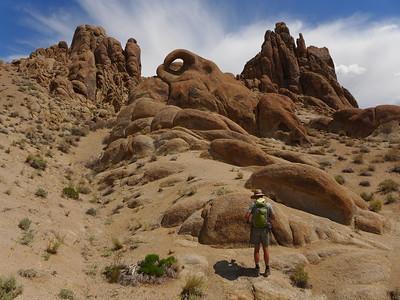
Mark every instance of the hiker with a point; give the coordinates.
(260, 214)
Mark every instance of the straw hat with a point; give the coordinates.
(257, 194)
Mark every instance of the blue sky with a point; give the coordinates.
(362, 35)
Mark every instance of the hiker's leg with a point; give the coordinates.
(266, 255)
(257, 254)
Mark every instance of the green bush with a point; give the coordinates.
(66, 294)
(367, 196)
(24, 224)
(340, 179)
(36, 162)
(390, 198)
(299, 277)
(387, 186)
(9, 289)
(375, 205)
(193, 288)
(70, 192)
(27, 238)
(91, 212)
(40, 192)
(153, 266)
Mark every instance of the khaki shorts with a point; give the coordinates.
(259, 236)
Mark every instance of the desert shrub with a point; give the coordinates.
(9, 289)
(152, 265)
(77, 131)
(27, 273)
(367, 196)
(91, 211)
(70, 192)
(26, 238)
(375, 205)
(340, 179)
(24, 224)
(66, 294)
(83, 188)
(117, 245)
(64, 146)
(387, 186)
(36, 162)
(299, 276)
(392, 155)
(194, 287)
(112, 272)
(40, 192)
(390, 198)
(54, 244)
(358, 159)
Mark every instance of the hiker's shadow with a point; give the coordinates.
(232, 271)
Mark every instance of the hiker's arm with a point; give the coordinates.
(247, 216)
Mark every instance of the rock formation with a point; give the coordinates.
(95, 67)
(292, 68)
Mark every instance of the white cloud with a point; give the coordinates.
(365, 52)
(350, 70)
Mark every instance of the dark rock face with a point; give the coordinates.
(286, 64)
(95, 67)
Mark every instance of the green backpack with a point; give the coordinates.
(260, 215)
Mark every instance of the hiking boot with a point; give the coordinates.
(267, 272)
(257, 270)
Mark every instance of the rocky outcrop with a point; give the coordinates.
(306, 188)
(283, 65)
(276, 118)
(95, 67)
(239, 153)
(199, 84)
(361, 123)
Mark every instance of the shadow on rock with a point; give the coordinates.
(232, 271)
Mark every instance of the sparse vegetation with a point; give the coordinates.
(388, 186)
(40, 192)
(391, 198)
(66, 294)
(340, 179)
(367, 196)
(392, 155)
(194, 287)
(24, 224)
(91, 211)
(358, 159)
(27, 273)
(54, 244)
(9, 289)
(117, 245)
(70, 193)
(27, 237)
(36, 162)
(299, 277)
(152, 265)
(375, 205)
